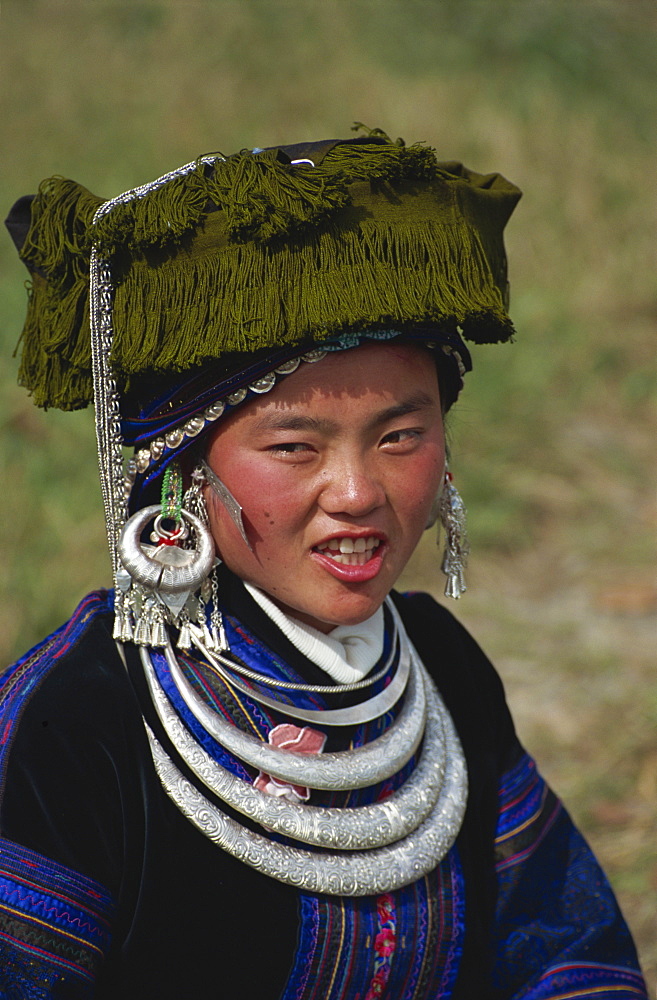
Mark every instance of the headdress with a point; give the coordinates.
(208, 283)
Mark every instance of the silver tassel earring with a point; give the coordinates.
(213, 634)
(455, 557)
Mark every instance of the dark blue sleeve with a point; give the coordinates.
(55, 919)
(559, 931)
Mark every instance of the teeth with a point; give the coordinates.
(351, 558)
(350, 551)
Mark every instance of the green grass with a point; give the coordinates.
(553, 442)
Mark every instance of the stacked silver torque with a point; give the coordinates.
(367, 849)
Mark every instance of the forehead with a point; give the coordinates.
(355, 378)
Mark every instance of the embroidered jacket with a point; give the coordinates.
(106, 890)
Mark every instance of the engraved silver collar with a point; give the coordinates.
(371, 849)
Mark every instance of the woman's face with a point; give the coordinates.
(336, 470)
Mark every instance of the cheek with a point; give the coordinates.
(420, 484)
(269, 493)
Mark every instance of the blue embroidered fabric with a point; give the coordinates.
(54, 923)
(21, 679)
(54, 927)
(404, 945)
(559, 931)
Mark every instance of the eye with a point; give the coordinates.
(405, 437)
(289, 447)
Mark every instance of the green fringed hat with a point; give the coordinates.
(231, 257)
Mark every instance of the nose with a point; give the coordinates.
(351, 488)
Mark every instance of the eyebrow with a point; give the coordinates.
(418, 401)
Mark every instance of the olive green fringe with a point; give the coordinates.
(268, 299)
(263, 195)
(256, 291)
(58, 243)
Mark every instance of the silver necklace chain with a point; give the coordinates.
(352, 715)
(218, 660)
(365, 711)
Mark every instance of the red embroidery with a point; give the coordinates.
(384, 945)
(246, 638)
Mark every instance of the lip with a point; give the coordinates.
(352, 574)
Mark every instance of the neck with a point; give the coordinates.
(346, 654)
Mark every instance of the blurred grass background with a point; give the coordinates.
(554, 441)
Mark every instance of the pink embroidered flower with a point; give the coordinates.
(289, 737)
(384, 942)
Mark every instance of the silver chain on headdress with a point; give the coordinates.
(106, 397)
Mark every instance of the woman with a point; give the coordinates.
(255, 768)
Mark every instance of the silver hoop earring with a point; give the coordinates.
(155, 582)
(457, 548)
(165, 566)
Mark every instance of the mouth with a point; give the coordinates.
(348, 551)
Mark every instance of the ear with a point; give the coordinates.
(435, 506)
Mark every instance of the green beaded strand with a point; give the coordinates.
(172, 493)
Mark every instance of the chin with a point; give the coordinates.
(329, 616)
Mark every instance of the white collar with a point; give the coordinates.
(347, 653)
